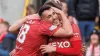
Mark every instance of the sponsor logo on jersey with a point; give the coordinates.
(52, 27)
(65, 44)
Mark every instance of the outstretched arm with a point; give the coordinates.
(16, 26)
(20, 22)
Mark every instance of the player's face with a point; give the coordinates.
(49, 15)
(64, 7)
(57, 22)
(94, 39)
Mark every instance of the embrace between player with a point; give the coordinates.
(65, 39)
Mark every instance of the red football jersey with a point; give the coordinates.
(68, 46)
(32, 35)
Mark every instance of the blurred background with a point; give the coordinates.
(12, 10)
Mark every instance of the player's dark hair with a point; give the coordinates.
(43, 8)
(54, 4)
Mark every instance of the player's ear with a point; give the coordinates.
(42, 17)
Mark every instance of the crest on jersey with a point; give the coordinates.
(52, 27)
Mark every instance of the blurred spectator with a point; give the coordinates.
(30, 9)
(6, 39)
(94, 47)
(86, 12)
(97, 24)
(3, 29)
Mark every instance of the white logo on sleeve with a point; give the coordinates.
(65, 44)
(52, 27)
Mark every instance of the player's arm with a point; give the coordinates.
(17, 25)
(66, 29)
(74, 50)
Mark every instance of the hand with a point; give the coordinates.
(57, 10)
(83, 48)
(47, 49)
(57, 1)
(12, 52)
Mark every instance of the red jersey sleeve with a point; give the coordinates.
(74, 50)
(2, 36)
(48, 29)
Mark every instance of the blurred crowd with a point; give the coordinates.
(87, 14)
(6, 38)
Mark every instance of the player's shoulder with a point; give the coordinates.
(75, 20)
(44, 23)
(34, 18)
(48, 25)
(75, 37)
(32, 22)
